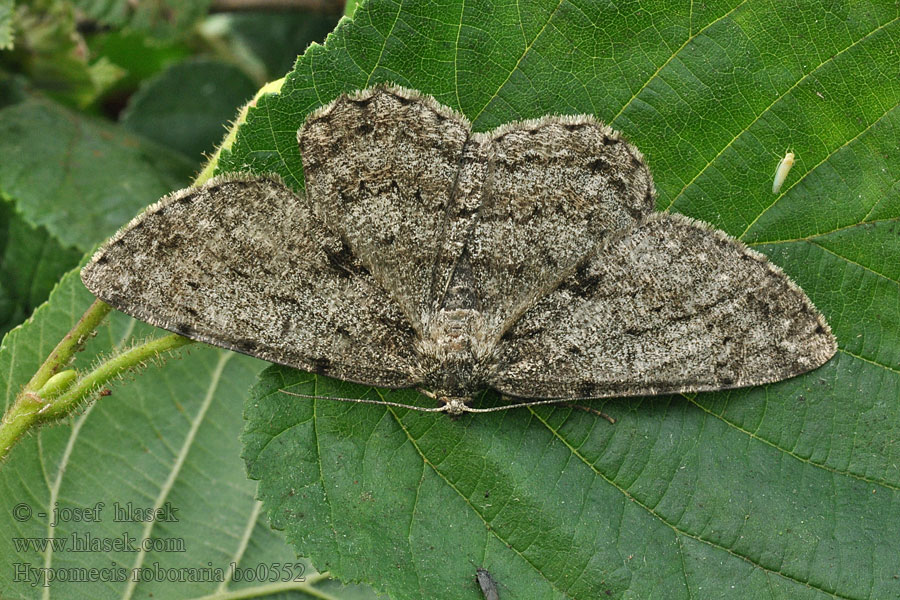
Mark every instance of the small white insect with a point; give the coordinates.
(781, 173)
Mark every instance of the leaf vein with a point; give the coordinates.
(686, 533)
(518, 62)
(793, 454)
(224, 357)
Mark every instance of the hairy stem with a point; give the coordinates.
(96, 379)
(69, 345)
(32, 408)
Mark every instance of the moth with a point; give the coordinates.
(421, 254)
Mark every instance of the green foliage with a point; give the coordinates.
(50, 51)
(31, 262)
(161, 18)
(169, 435)
(6, 24)
(78, 177)
(779, 491)
(277, 42)
(185, 106)
(138, 56)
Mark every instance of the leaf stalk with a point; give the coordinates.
(52, 395)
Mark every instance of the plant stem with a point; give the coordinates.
(31, 409)
(109, 370)
(69, 345)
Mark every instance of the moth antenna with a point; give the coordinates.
(368, 401)
(563, 401)
(599, 413)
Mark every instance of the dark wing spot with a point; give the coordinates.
(597, 165)
(246, 345)
(401, 326)
(239, 272)
(321, 366)
(586, 389)
(467, 211)
(635, 214)
(510, 334)
(326, 118)
(344, 262)
(583, 284)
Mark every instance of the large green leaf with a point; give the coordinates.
(31, 262)
(786, 490)
(168, 437)
(187, 106)
(78, 177)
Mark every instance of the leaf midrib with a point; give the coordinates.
(187, 444)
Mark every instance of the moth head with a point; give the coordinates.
(454, 405)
